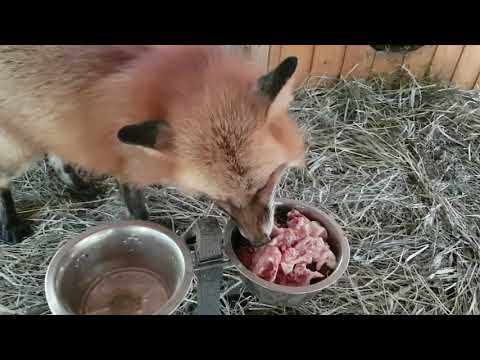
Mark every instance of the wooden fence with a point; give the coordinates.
(459, 64)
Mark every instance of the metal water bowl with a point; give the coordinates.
(127, 268)
(274, 294)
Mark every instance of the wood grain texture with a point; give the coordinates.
(328, 60)
(468, 67)
(386, 63)
(304, 53)
(457, 63)
(260, 53)
(445, 61)
(274, 56)
(418, 62)
(358, 62)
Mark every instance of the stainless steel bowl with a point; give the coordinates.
(125, 268)
(274, 294)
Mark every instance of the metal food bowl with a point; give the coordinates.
(273, 294)
(127, 268)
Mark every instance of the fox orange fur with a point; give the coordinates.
(200, 118)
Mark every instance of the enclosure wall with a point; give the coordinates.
(459, 64)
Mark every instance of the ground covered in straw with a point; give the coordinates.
(398, 168)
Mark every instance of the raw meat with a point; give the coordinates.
(291, 257)
(265, 262)
(300, 276)
(292, 254)
(284, 239)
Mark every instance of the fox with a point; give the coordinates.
(207, 121)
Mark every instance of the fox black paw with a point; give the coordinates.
(140, 213)
(85, 193)
(15, 233)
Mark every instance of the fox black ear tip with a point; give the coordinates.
(290, 63)
(292, 60)
(122, 134)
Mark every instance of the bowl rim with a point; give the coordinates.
(292, 290)
(58, 308)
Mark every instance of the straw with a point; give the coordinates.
(397, 166)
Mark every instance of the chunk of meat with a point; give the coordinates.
(284, 239)
(317, 230)
(295, 219)
(317, 250)
(326, 257)
(292, 257)
(289, 259)
(301, 276)
(293, 251)
(265, 262)
(303, 227)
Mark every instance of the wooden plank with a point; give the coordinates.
(328, 60)
(386, 63)
(468, 67)
(274, 56)
(445, 61)
(246, 49)
(418, 61)
(304, 53)
(358, 61)
(260, 54)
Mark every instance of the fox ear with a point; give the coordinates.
(271, 84)
(152, 134)
(278, 87)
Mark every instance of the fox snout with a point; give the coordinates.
(256, 240)
(255, 223)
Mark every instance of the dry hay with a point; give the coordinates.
(398, 168)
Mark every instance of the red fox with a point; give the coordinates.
(199, 118)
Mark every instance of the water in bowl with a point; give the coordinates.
(126, 291)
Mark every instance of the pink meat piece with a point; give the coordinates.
(284, 239)
(307, 251)
(296, 220)
(265, 262)
(285, 260)
(317, 230)
(301, 276)
(281, 278)
(304, 227)
(289, 259)
(317, 250)
(292, 257)
(325, 257)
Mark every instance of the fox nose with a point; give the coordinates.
(256, 241)
(263, 240)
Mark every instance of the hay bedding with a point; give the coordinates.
(399, 169)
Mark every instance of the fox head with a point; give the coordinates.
(231, 140)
